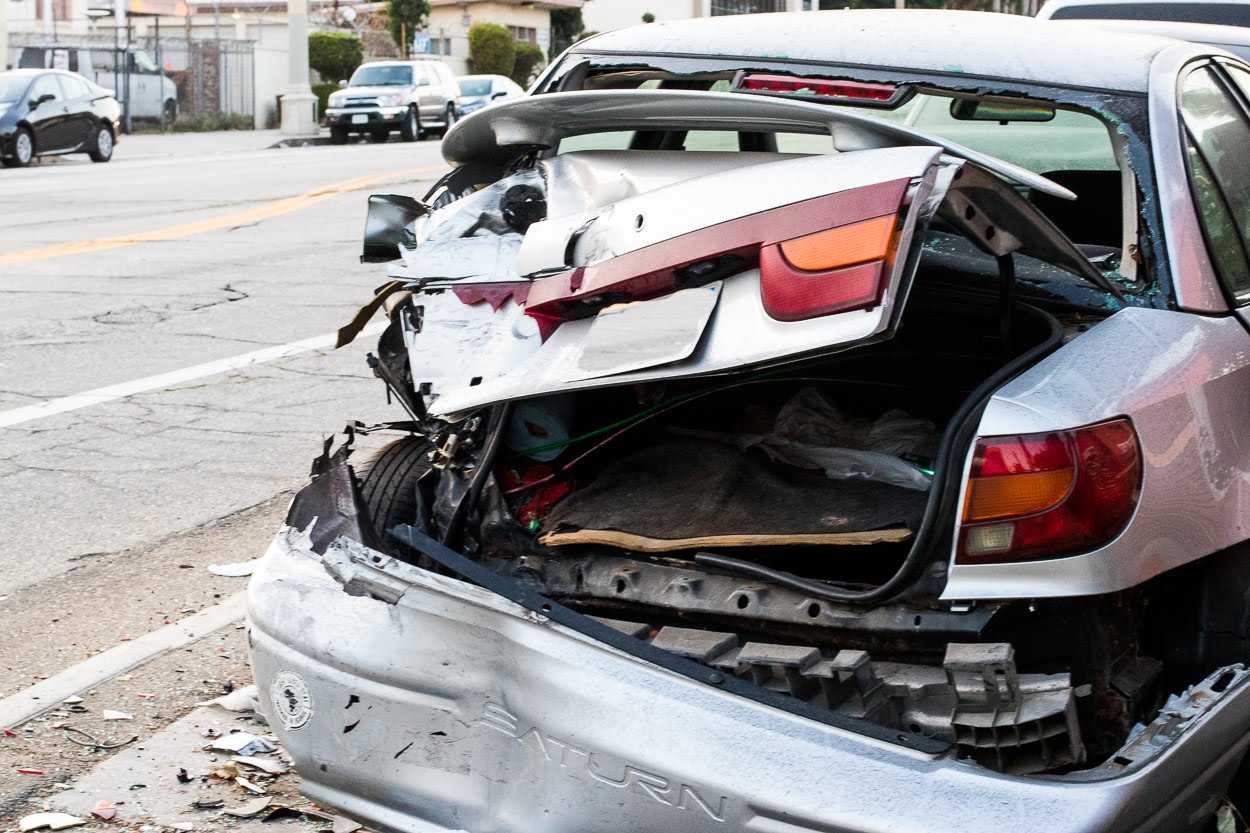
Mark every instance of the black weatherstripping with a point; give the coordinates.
(587, 626)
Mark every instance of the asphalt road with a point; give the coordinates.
(184, 250)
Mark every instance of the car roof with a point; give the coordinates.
(938, 41)
(27, 71)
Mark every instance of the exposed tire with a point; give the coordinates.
(388, 483)
(449, 118)
(170, 111)
(379, 136)
(338, 135)
(102, 145)
(23, 149)
(410, 130)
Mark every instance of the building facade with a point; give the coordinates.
(447, 33)
(604, 15)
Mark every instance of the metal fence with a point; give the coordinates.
(161, 77)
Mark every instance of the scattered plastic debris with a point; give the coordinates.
(248, 810)
(243, 568)
(9, 733)
(28, 771)
(342, 824)
(146, 696)
(254, 789)
(82, 738)
(242, 743)
(52, 821)
(183, 825)
(238, 700)
(182, 776)
(307, 810)
(216, 804)
(265, 766)
(104, 810)
(109, 714)
(72, 701)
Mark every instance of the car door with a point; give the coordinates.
(1213, 101)
(427, 93)
(48, 118)
(79, 116)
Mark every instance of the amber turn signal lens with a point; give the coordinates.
(843, 246)
(1016, 495)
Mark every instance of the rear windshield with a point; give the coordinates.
(382, 76)
(12, 87)
(475, 86)
(1224, 14)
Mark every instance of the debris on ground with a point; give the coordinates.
(72, 701)
(265, 766)
(248, 810)
(236, 700)
(52, 821)
(342, 824)
(291, 812)
(239, 570)
(242, 743)
(255, 789)
(182, 776)
(28, 771)
(104, 810)
(90, 741)
(109, 714)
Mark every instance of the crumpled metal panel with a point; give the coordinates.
(452, 709)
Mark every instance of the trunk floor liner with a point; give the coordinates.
(690, 493)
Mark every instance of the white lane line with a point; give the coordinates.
(44, 695)
(65, 404)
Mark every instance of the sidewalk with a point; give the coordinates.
(157, 145)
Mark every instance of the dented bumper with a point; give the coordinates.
(417, 702)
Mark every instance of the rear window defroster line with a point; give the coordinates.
(513, 591)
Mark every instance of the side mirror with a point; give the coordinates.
(386, 226)
(342, 85)
(35, 102)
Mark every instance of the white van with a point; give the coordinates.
(152, 94)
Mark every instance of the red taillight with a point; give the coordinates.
(1048, 495)
(831, 271)
(819, 88)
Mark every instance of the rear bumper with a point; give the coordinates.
(417, 702)
(390, 117)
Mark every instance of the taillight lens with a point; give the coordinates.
(835, 270)
(1047, 495)
(819, 88)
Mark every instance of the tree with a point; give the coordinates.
(334, 55)
(528, 58)
(407, 18)
(492, 51)
(567, 27)
(647, 17)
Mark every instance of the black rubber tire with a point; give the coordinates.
(388, 483)
(14, 161)
(170, 111)
(410, 130)
(102, 145)
(379, 137)
(449, 118)
(338, 135)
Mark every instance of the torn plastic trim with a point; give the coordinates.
(540, 122)
(598, 631)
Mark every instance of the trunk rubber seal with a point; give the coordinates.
(476, 573)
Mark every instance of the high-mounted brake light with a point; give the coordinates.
(821, 89)
(1047, 495)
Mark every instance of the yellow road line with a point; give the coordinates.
(238, 218)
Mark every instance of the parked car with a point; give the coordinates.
(46, 113)
(413, 97)
(153, 95)
(770, 460)
(477, 91)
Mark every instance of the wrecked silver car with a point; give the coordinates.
(830, 421)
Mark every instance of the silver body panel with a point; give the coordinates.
(449, 708)
(1184, 380)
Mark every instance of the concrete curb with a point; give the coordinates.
(18, 708)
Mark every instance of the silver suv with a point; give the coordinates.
(413, 97)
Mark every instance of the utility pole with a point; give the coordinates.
(45, 11)
(4, 35)
(298, 104)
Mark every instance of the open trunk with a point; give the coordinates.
(724, 402)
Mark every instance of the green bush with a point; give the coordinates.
(528, 58)
(492, 51)
(334, 55)
(322, 92)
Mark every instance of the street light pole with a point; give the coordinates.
(299, 104)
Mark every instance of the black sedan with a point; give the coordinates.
(52, 112)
